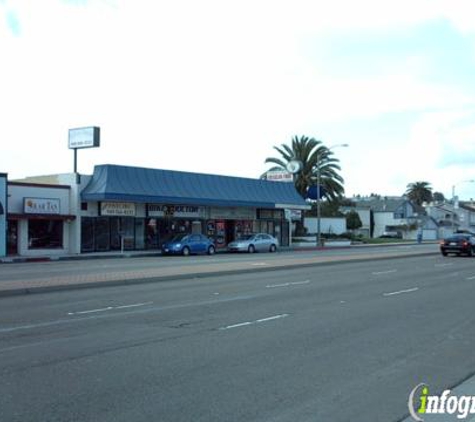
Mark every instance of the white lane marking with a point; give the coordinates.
(136, 311)
(294, 283)
(242, 324)
(272, 318)
(110, 308)
(135, 305)
(384, 272)
(91, 311)
(471, 278)
(401, 291)
(257, 321)
(260, 264)
(443, 265)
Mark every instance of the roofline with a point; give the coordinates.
(39, 185)
(187, 172)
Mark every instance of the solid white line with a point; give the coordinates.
(384, 272)
(471, 278)
(259, 263)
(443, 265)
(401, 291)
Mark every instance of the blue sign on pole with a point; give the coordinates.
(316, 192)
(3, 214)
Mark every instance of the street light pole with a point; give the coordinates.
(453, 200)
(319, 211)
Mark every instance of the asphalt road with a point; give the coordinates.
(326, 343)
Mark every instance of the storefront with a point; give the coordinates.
(133, 208)
(38, 219)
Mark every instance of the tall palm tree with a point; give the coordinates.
(314, 157)
(419, 192)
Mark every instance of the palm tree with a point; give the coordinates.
(419, 192)
(314, 157)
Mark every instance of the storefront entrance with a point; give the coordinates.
(12, 237)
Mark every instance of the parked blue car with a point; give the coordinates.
(186, 244)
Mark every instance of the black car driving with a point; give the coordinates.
(458, 243)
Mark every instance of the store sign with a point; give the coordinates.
(179, 211)
(120, 209)
(279, 176)
(84, 137)
(3, 214)
(41, 206)
(233, 213)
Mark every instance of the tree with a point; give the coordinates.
(419, 192)
(438, 197)
(314, 157)
(353, 221)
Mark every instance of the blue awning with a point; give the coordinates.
(143, 185)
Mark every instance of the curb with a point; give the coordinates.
(130, 282)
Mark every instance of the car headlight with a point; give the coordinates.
(178, 245)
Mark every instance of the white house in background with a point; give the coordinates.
(394, 214)
(450, 218)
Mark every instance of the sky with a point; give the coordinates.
(212, 86)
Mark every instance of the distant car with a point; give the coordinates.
(259, 242)
(186, 244)
(391, 235)
(459, 243)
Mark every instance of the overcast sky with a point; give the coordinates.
(212, 85)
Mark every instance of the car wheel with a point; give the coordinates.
(469, 253)
(444, 253)
(272, 248)
(185, 251)
(211, 250)
(251, 249)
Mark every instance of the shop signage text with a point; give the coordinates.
(233, 213)
(183, 211)
(41, 206)
(279, 176)
(84, 137)
(121, 209)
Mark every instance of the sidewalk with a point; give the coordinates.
(29, 279)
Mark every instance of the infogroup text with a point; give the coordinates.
(422, 403)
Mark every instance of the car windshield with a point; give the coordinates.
(458, 237)
(246, 237)
(178, 238)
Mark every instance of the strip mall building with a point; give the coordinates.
(132, 208)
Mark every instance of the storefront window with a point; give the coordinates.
(102, 234)
(45, 234)
(87, 234)
(151, 233)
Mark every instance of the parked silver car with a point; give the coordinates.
(259, 242)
